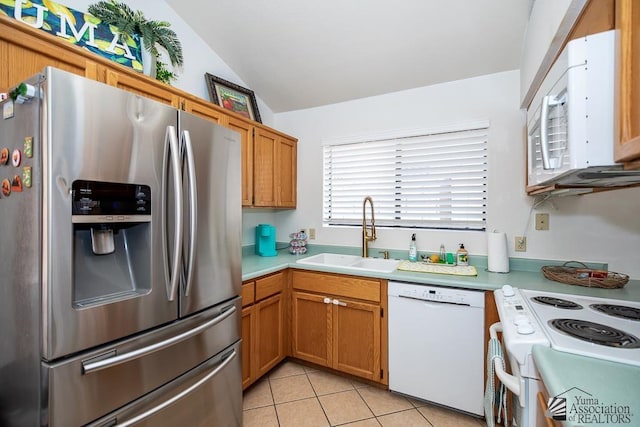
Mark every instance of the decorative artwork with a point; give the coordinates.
(81, 29)
(232, 97)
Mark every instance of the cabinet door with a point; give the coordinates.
(264, 163)
(286, 171)
(356, 338)
(311, 328)
(628, 22)
(269, 333)
(203, 109)
(246, 138)
(248, 346)
(143, 86)
(25, 51)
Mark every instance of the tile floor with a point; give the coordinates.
(295, 395)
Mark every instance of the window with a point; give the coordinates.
(424, 180)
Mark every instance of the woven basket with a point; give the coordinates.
(584, 276)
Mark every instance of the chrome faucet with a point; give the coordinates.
(368, 234)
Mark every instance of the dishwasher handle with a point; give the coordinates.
(515, 383)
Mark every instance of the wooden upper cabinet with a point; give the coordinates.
(627, 20)
(143, 86)
(274, 169)
(202, 109)
(25, 51)
(264, 168)
(286, 173)
(246, 139)
(268, 156)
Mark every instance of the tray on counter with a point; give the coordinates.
(584, 276)
(422, 267)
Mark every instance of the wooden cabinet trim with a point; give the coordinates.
(338, 285)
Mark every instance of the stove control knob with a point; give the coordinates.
(521, 319)
(525, 329)
(508, 291)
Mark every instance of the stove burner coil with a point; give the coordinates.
(595, 333)
(557, 302)
(622, 311)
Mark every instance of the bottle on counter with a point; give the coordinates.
(443, 254)
(413, 250)
(462, 256)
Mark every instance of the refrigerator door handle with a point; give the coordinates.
(227, 359)
(173, 151)
(98, 364)
(193, 210)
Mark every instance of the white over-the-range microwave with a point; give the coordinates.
(572, 119)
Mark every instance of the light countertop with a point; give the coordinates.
(524, 274)
(597, 392)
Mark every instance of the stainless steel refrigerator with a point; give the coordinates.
(120, 264)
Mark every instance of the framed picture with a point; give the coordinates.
(233, 97)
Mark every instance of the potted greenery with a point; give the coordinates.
(151, 34)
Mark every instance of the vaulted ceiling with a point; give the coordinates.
(298, 54)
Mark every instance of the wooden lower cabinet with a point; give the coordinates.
(263, 326)
(311, 326)
(248, 344)
(356, 338)
(269, 333)
(342, 333)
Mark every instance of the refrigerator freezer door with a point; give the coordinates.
(20, 270)
(213, 272)
(95, 132)
(210, 395)
(89, 386)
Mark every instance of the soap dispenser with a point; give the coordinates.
(413, 250)
(462, 256)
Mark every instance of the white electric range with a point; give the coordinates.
(603, 328)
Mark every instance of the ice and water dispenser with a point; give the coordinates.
(112, 241)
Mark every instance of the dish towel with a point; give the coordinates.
(491, 395)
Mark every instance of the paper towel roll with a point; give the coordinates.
(497, 253)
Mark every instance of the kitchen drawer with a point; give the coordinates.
(270, 285)
(338, 285)
(248, 293)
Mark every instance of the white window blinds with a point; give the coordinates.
(435, 180)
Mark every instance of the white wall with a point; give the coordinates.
(198, 56)
(599, 227)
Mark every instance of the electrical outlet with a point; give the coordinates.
(312, 234)
(521, 244)
(542, 221)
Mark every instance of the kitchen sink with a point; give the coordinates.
(352, 262)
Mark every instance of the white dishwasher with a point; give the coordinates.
(436, 345)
